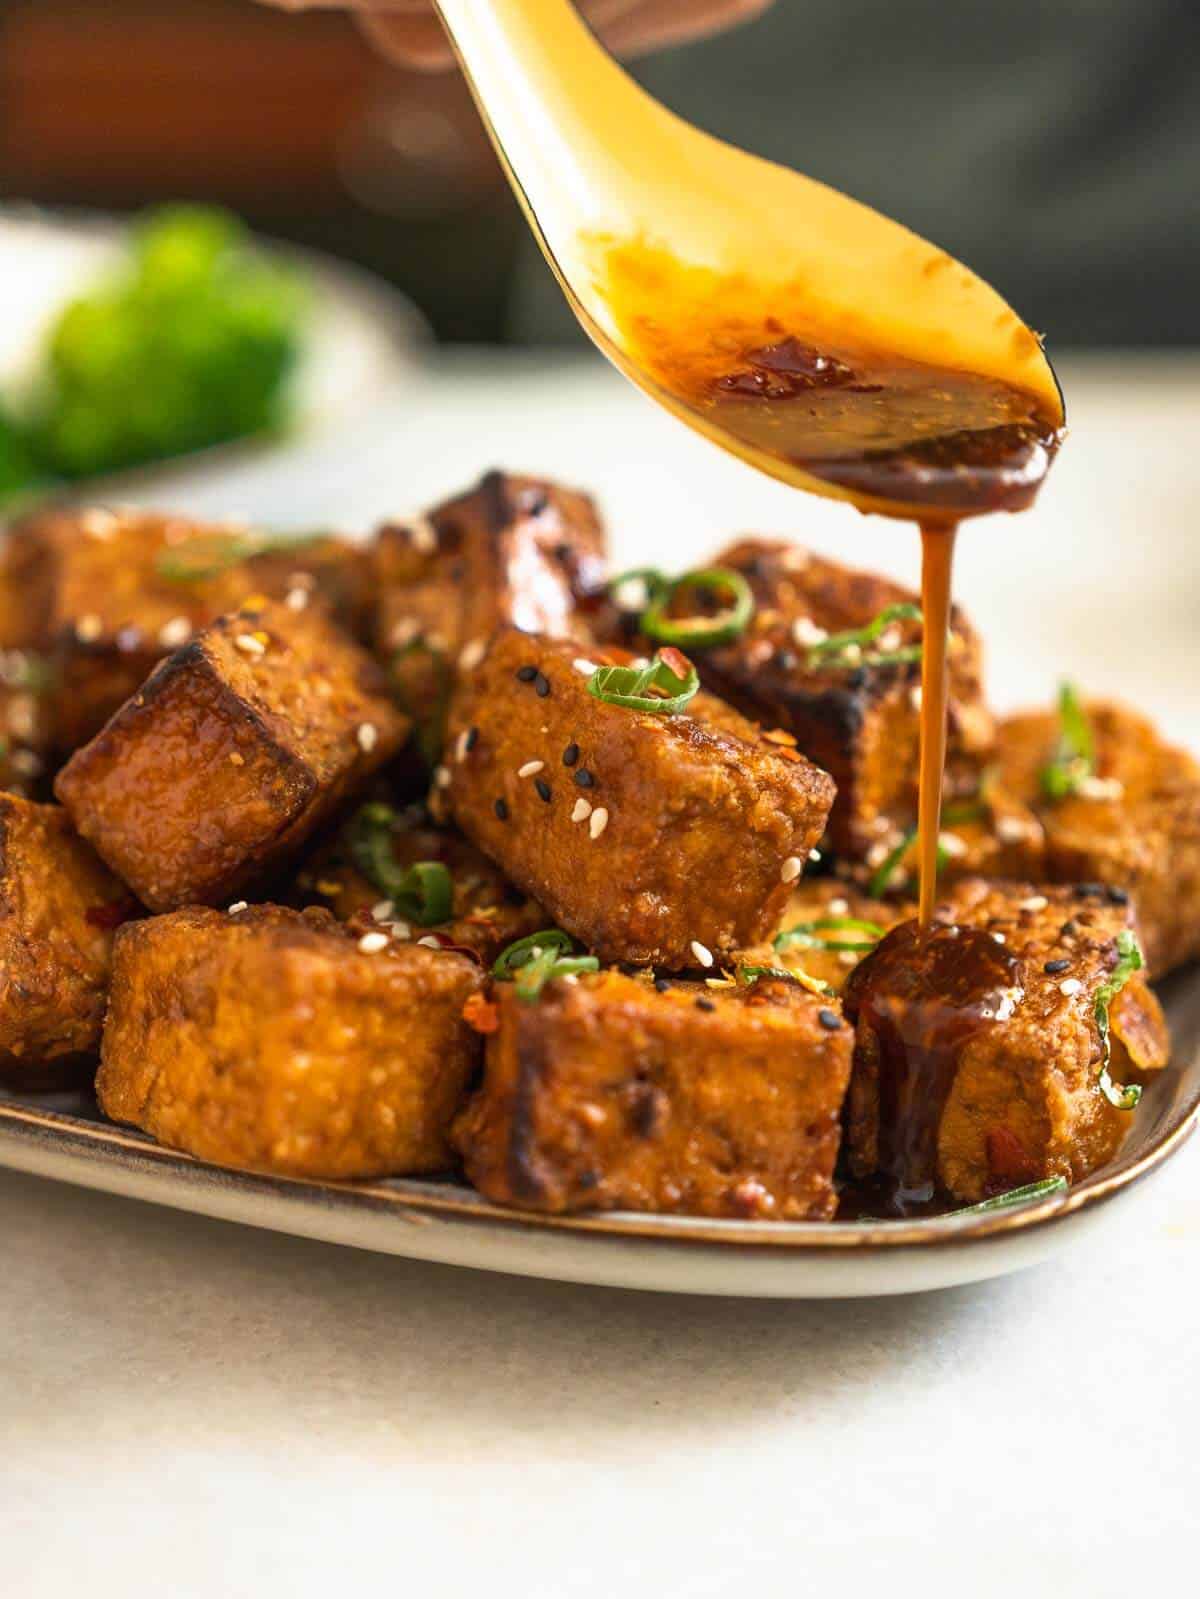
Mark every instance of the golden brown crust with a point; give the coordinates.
(665, 832)
(512, 550)
(86, 591)
(59, 908)
(1022, 1097)
(1138, 830)
(609, 1093)
(859, 722)
(269, 1039)
(237, 747)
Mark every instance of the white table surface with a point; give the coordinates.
(192, 1409)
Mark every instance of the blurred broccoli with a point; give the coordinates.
(190, 344)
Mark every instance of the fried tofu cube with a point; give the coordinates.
(234, 750)
(612, 1092)
(270, 1039)
(59, 908)
(24, 734)
(1133, 824)
(352, 875)
(660, 839)
(512, 550)
(857, 719)
(103, 596)
(978, 1056)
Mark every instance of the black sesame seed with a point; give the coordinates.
(785, 660)
(705, 1004)
(857, 678)
(526, 674)
(563, 553)
(1090, 890)
(584, 778)
(1052, 968)
(471, 739)
(662, 984)
(541, 686)
(543, 788)
(829, 1019)
(501, 809)
(1068, 930)
(1118, 896)
(570, 754)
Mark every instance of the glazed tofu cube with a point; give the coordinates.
(1134, 824)
(512, 550)
(270, 1039)
(857, 719)
(59, 908)
(355, 875)
(613, 1092)
(104, 596)
(978, 1057)
(667, 839)
(236, 747)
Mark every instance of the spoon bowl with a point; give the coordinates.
(795, 327)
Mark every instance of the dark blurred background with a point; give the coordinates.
(1052, 144)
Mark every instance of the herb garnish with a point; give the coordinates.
(1074, 758)
(699, 631)
(813, 935)
(209, 554)
(751, 974)
(1130, 960)
(421, 893)
(851, 648)
(953, 816)
(630, 686)
(1015, 1196)
(538, 959)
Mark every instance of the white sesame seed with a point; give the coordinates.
(238, 907)
(530, 768)
(462, 745)
(98, 524)
(367, 736)
(1100, 788)
(422, 534)
(632, 595)
(878, 852)
(814, 855)
(403, 632)
(852, 654)
(399, 929)
(806, 633)
(296, 599)
(1069, 986)
(1000, 938)
(88, 628)
(952, 844)
(1035, 902)
(382, 910)
(914, 697)
(1012, 830)
(702, 953)
(22, 716)
(583, 665)
(249, 645)
(174, 633)
(430, 942)
(471, 654)
(791, 869)
(441, 777)
(838, 907)
(372, 943)
(583, 809)
(26, 763)
(891, 639)
(848, 957)
(598, 822)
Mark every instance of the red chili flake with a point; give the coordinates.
(675, 661)
(1007, 1158)
(113, 914)
(481, 1013)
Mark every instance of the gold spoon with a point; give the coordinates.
(795, 327)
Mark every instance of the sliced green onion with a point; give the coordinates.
(1015, 1196)
(751, 974)
(881, 878)
(701, 632)
(523, 949)
(1074, 758)
(422, 893)
(809, 935)
(827, 651)
(1130, 960)
(630, 686)
(538, 959)
(209, 554)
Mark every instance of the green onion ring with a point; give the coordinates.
(522, 949)
(628, 686)
(1015, 1196)
(1130, 960)
(700, 632)
(422, 893)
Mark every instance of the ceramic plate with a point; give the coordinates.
(66, 1137)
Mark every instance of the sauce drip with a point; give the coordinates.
(921, 996)
(937, 559)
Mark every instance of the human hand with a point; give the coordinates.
(408, 32)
